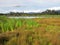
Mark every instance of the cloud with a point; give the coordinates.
(9, 3)
(54, 8)
(5, 3)
(17, 6)
(28, 4)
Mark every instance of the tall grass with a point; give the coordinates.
(44, 31)
(9, 24)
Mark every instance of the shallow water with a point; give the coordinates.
(27, 17)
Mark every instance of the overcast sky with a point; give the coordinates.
(28, 4)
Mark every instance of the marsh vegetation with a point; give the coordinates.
(36, 31)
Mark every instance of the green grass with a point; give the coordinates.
(11, 24)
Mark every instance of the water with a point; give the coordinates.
(47, 16)
(26, 17)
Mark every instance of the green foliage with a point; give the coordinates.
(7, 24)
(31, 23)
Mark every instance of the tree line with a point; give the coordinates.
(47, 12)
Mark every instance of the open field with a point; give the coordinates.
(37, 31)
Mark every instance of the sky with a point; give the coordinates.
(21, 5)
